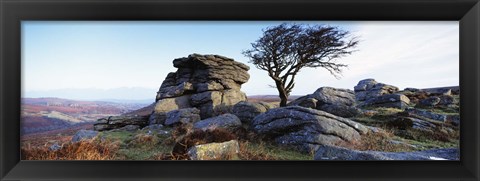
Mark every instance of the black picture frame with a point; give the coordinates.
(12, 12)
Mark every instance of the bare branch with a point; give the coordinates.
(285, 49)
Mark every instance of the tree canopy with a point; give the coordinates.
(285, 49)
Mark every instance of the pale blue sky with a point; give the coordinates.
(126, 55)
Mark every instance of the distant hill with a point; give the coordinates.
(129, 93)
(45, 114)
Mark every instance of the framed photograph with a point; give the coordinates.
(239, 90)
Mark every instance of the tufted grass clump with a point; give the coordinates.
(83, 150)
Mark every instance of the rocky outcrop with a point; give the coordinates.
(447, 100)
(306, 128)
(246, 111)
(84, 135)
(429, 102)
(439, 91)
(340, 102)
(116, 122)
(412, 123)
(427, 114)
(369, 88)
(215, 151)
(338, 153)
(228, 122)
(210, 83)
(388, 100)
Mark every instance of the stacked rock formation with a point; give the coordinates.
(210, 83)
(340, 102)
(375, 94)
(202, 87)
(119, 122)
(369, 88)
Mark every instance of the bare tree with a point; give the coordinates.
(285, 49)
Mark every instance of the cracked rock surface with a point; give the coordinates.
(210, 83)
(306, 128)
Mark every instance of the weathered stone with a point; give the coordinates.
(453, 119)
(339, 102)
(115, 122)
(209, 86)
(415, 97)
(55, 147)
(130, 128)
(101, 127)
(364, 85)
(210, 83)
(411, 89)
(156, 128)
(439, 91)
(427, 114)
(128, 120)
(369, 88)
(212, 103)
(226, 121)
(170, 104)
(182, 116)
(340, 110)
(246, 111)
(388, 100)
(175, 91)
(205, 72)
(412, 123)
(157, 118)
(304, 101)
(325, 152)
(102, 121)
(215, 151)
(447, 100)
(84, 135)
(306, 128)
(429, 102)
(329, 95)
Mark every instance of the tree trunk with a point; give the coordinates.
(282, 93)
(283, 99)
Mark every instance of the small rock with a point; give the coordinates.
(246, 111)
(427, 114)
(388, 100)
(215, 151)
(304, 101)
(453, 119)
(447, 100)
(411, 89)
(157, 118)
(182, 116)
(369, 88)
(439, 91)
(340, 102)
(156, 128)
(84, 135)
(225, 121)
(55, 147)
(429, 102)
(115, 122)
